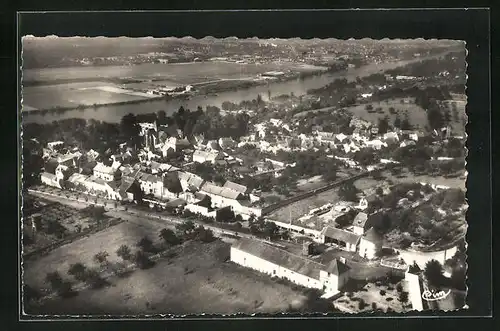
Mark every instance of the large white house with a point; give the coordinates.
(279, 263)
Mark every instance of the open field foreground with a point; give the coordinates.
(83, 250)
(197, 280)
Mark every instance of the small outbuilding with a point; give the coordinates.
(370, 244)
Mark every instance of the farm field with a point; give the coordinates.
(182, 73)
(75, 94)
(83, 250)
(196, 280)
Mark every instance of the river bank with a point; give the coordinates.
(113, 112)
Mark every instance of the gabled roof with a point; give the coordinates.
(100, 167)
(48, 176)
(208, 156)
(360, 219)
(341, 235)
(189, 180)
(225, 192)
(337, 268)
(236, 187)
(279, 257)
(144, 177)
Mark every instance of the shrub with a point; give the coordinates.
(382, 292)
(399, 288)
(124, 252)
(388, 299)
(143, 261)
(361, 304)
(66, 290)
(374, 305)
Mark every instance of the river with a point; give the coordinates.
(114, 113)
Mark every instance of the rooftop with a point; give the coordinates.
(280, 257)
(340, 235)
(225, 192)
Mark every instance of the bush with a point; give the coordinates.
(388, 299)
(399, 288)
(66, 290)
(124, 252)
(143, 261)
(382, 292)
(374, 305)
(361, 304)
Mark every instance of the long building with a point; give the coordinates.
(280, 263)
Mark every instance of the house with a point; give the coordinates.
(204, 156)
(405, 143)
(98, 186)
(55, 145)
(221, 196)
(370, 244)
(129, 189)
(189, 181)
(376, 144)
(106, 173)
(227, 143)
(150, 184)
(344, 239)
(359, 223)
(391, 138)
(213, 145)
(50, 179)
(236, 187)
(279, 263)
(176, 144)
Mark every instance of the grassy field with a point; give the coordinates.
(197, 280)
(83, 250)
(416, 114)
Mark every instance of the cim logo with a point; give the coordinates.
(430, 296)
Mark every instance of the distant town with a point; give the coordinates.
(349, 198)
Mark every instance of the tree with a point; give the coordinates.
(101, 257)
(270, 230)
(435, 118)
(143, 261)
(369, 107)
(225, 215)
(54, 279)
(433, 272)
(185, 227)
(161, 117)
(124, 252)
(203, 234)
(94, 280)
(145, 244)
(405, 123)
(169, 237)
(77, 270)
(383, 125)
(403, 297)
(397, 122)
(348, 192)
(129, 127)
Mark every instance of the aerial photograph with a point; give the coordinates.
(229, 176)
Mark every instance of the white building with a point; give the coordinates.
(105, 172)
(279, 263)
(50, 179)
(370, 244)
(204, 156)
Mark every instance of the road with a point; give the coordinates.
(134, 215)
